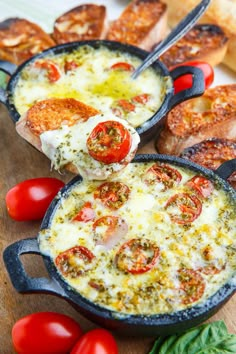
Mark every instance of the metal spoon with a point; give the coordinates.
(178, 32)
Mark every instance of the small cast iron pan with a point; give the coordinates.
(146, 130)
(125, 324)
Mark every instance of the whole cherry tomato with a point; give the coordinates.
(185, 81)
(45, 332)
(29, 200)
(96, 341)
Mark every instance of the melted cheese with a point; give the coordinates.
(210, 240)
(93, 83)
(68, 145)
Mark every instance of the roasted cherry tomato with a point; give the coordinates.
(29, 200)
(201, 185)
(184, 208)
(85, 214)
(74, 261)
(109, 229)
(125, 105)
(137, 256)
(186, 81)
(70, 65)
(122, 66)
(109, 142)
(96, 341)
(210, 270)
(53, 71)
(162, 173)
(193, 285)
(143, 98)
(45, 332)
(112, 194)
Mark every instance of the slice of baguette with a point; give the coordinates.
(20, 39)
(212, 115)
(206, 42)
(51, 114)
(219, 12)
(143, 23)
(84, 22)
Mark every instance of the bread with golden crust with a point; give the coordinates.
(84, 22)
(20, 39)
(205, 42)
(212, 115)
(219, 12)
(143, 23)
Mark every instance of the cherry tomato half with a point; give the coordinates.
(112, 194)
(74, 261)
(53, 71)
(193, 285)
(85, 214)
(109, 142)
(183, 208)
(122, 66)
(29, 200)
(96, 341)
(185, 81)
(162, 173)
(44, 332)
(201, 185)
(137, 256)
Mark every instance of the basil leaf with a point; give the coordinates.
(157, 344)
(167, 344)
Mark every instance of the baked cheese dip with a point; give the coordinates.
(97, 77)
(156, 239)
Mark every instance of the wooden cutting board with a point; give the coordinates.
(20, 161)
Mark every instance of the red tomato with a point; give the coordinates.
(70, 66)
(29, 200)
(184, 208)
(142, 99)
(125, 105)
(96, 341)
(201, 185)
(67, 261)
(85, 214)
(193, 285)
(185, 81)
(53, 72)
(137, 256)
(162, 173)
(109, 229)
(109, 142)
(112, 194)
(122, 66)
(44, 332)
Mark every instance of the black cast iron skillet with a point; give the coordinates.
(146, 130)
(126, 324)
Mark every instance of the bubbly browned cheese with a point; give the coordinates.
(137, 252)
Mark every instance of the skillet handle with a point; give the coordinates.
(7, 68)
(20, 280)
(226, 169)
(198, 84)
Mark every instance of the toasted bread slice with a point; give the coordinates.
(211, 154)
(143, 23)
(219, 12)
(51, 114)
(84, 22)
(20, 39)
(201, 118)
(204, 42)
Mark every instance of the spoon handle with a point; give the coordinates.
(178, 32)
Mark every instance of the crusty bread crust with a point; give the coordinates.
(219, 12)
(84, 22)
(20, 39)
(201, 118)
(206, 42)
(143, 23)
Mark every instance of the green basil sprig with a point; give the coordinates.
(211, 338)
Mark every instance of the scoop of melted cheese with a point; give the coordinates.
(210, 240)
(68, 145)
